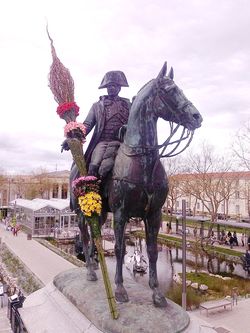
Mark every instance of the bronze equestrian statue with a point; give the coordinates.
(137, 186)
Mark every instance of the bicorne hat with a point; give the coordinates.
(115, 77)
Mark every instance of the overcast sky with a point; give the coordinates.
(206, 42)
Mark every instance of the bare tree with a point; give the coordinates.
(210, 179)
(173, 167)
(241, 146)
(44, 185)
(2, 187)
(39, 185)
(20, 186)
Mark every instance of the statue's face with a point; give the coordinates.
(113, 90)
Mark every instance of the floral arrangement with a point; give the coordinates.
(66, 107)
(85, 184)
(90, 203)
(62, 86)
(86, 190)
(75, 130)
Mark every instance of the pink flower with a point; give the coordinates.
(72, 127)
(84, 179)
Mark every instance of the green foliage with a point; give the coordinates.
(25, 279)
(193, 299)
(219, 287)
(51, 240)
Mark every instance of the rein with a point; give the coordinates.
(185, 132)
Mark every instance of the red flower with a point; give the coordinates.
(68, 106)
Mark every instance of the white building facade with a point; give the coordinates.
(232, 202)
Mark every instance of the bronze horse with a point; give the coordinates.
(138, 185)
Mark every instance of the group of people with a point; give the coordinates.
(11, 225)
(228, 238)
(232, 239)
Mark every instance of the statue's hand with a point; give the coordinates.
(64, 146)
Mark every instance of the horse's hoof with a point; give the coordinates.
(159, 300)
(121, 295)
(91, 276)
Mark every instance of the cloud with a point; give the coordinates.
(206, 42)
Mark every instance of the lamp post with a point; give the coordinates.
(8, 191)
(184, 286)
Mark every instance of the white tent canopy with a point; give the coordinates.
(43, 217)
(37, 204)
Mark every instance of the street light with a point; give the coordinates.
(8, 191)
(184, 286)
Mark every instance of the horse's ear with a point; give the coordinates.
(171, 73)
(163, 71)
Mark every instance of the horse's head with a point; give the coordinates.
(162, 98)
(171, 104)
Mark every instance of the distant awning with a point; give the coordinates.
(37, 204)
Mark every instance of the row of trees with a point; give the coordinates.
(209, 178)
(38, 184)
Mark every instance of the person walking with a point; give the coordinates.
(248, 242)
(235, 239)
(243, 239)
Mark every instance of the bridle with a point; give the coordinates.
(185, 135)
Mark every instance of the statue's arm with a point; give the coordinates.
(89, 123)
(90, 120)
(123, 128)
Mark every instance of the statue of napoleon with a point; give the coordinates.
(108, 117)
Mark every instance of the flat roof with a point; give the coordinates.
(37, 204)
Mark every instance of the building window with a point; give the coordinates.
(55, 191)
(237, 209)
(64, 191)
(198, 205)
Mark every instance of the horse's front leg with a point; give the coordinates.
(119, 227)
(152, 225)
(90, 265)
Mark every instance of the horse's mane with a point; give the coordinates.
(145, 86)
(143, 93)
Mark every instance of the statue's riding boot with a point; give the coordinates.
(93, 170)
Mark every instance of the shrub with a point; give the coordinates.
(193, 299)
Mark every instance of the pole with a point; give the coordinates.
(9, 192)
(184, 286)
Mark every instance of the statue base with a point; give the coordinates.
(88, 309)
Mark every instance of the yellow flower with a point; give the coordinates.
(90, 203)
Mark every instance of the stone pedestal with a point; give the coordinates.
(72, 304)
